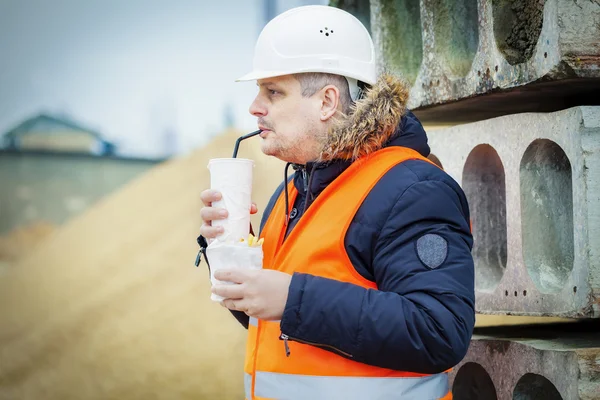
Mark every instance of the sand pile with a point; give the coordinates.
(23, 239)
(111, 306)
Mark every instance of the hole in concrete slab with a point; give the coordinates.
(456, 30)
(361, 9)
(506, 292)
(524, 292)
(402, 42)
(484, 184)
(574, 289)
(517, 27)
(432, 157)
(472, 382)
(547, 214)
(535, 387)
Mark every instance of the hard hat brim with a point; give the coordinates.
(255, 75)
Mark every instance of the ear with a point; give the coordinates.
(330, 100)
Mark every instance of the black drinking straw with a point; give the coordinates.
(237, 142)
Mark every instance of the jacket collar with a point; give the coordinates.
(409, 133)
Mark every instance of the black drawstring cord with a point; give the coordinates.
(309, 195)
(287, 201)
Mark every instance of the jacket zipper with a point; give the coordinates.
(285, 339)
(285, 344)
(305, 180)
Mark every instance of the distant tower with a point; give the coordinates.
(229, 117)
(162, 140)
(169, 142)
(269, 11)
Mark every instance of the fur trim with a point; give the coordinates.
(372, 122)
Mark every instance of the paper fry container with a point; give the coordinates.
(232, 256)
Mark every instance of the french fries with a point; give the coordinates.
(253, 241)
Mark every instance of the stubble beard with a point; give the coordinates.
(298, 150)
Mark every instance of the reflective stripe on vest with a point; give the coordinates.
(316, 247)
(301, 387)
(248, 386)
(253, 321)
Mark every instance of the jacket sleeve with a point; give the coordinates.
(421, 318)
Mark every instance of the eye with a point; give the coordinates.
(272, 92)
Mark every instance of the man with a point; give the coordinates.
(367, 289)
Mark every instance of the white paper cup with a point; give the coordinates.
(233, 178)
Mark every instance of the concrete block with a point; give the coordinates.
(533, 185)
(525, 55)
(529, 369)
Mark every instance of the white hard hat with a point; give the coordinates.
(315, 39)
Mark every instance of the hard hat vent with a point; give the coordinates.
(327, 32)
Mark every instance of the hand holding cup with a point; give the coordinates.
(208, 213)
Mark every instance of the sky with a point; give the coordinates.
(155, 77)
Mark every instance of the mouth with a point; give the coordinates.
(264, 132)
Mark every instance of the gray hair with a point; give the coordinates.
(312, 82)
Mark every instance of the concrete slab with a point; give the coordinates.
(529, 369)
(525, 55)
(533, 184)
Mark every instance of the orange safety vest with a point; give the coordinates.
(316, 247)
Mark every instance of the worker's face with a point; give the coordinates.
(293, 127)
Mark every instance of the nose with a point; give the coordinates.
(257, 108)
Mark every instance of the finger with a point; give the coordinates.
(211, 232)
(235, 304)
(233, 292)
(253, 208)
(232, 275)
(209, 214)
(209, 195)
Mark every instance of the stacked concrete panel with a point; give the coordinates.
(529, 369)
(525, 55)
(533, 185)
(529, 72)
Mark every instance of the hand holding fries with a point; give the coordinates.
(245, 254)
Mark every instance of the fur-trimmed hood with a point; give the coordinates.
(374, 120)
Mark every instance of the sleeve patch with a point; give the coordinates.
(432, 250)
